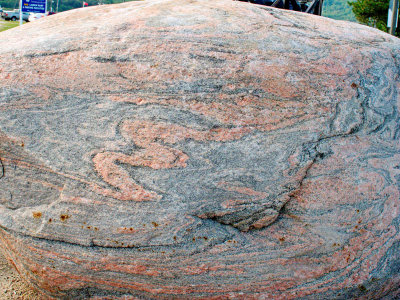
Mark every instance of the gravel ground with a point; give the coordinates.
(12, 286)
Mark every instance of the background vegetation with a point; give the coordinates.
(369, 12)
(373, 13)
(338, 10)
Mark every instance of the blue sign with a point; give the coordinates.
(35, 6)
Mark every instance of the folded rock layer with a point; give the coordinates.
(209, 149)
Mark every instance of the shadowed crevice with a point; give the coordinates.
(2, 169)
(255, 216)
(44, 54)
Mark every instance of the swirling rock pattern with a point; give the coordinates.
(211, 149)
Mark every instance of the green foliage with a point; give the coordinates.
(335, 9)
(338, 10)
(9, 4)
(371, 12)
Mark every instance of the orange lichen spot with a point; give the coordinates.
(89, 227)
(37, 214)
(194, 238)
(154, 224)
(50, 220)
(354, 85)
(362, 288)
(64, 217)
(126, 230)
(357, 210)
(22, 144)
(96, 228)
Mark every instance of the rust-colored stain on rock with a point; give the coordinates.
(167, 149)
(37, 214)
(64, 217)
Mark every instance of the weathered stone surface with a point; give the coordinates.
(200, 149)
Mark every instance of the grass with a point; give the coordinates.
(4, 25)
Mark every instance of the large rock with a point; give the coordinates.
(200, 149)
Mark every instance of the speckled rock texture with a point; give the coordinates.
(200, 149)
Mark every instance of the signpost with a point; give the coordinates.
(393, 16)
(34, 6)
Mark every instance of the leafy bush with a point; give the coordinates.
(338, 10)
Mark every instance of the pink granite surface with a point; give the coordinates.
(200, 149)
